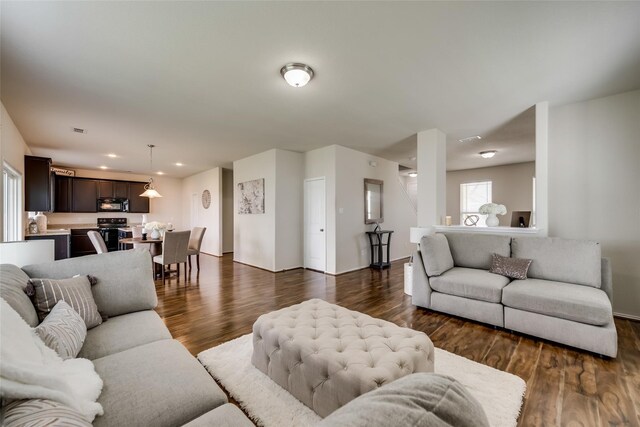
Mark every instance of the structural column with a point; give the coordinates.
(432, 177)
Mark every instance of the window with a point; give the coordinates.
(12, 203)
(472, 196)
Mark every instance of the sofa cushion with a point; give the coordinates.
(13, 282)
(516, 268)
(227, 415)
(579, 303)
(470, 283)
(63, 330)
(420, 400)
(75, 291)
(124, 332)
(562, 260)
(125, 279)
(436, 255)
(41, 412)
(476, 250)
(157, 384)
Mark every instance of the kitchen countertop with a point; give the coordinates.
(51, 232)
(65, 229)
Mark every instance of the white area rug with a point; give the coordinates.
(268, 404)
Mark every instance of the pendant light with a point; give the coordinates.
(149, 189)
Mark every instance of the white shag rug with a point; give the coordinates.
(268, 404)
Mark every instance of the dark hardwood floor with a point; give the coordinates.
(565, 386)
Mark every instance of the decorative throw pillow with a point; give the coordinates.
(436, 254)
(75, 291)
(41, 412)
(63, 330)
(516, 268)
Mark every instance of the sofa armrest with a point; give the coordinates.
(125, 279)
(606, 283)
(421, 290)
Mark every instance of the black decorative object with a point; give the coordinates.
(378, 243)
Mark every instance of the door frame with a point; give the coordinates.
(304, 233)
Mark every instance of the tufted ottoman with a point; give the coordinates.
(326, 355)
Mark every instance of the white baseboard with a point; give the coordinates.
(627, 316)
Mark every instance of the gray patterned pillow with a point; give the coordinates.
(516, 268)
(63, 330)
(41, 412)
(75, 291)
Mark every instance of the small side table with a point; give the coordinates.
(378, 244)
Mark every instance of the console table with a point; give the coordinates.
(378, 244)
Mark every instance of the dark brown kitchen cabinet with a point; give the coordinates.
(137, 204)
(84, 195)
(120, 189)
(62, 193)
(80, 243)
(60, 243)
(113, 189)
(37, 184)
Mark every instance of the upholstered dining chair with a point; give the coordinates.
(174, 251)
(97, 241)
(195, 242)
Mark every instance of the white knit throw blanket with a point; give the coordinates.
(31, 370)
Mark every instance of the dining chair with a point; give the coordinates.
(174, 251)
(195, 242)
(97, 241)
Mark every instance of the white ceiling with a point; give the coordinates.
(202, 82)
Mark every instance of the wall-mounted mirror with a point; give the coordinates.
(373, 212)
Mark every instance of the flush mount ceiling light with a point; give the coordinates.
(297, 74)
(149, 189)
(470, 139)
(488, 154)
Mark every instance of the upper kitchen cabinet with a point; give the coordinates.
(84, 195)
(62, 193)
(137, 204)
(37, 184)
(113, 189)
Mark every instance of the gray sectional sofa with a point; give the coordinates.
(565, 298)
(149, 378)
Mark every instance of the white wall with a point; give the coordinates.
(168, 208)
(12, 150)
(254, 234)
(352, 245)
(227, 210)
(195, 215)
(289, 210)
(594, 173)
(511, 186)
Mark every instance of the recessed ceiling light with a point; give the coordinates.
(471, 138)
(103, 167)
(160, 173)
(413, 174)
(412, 158)
(297, 74)
(488, 154)
(112, 155)
(179, 164)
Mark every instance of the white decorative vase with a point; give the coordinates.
(492, 220)
(155, 233)
(41, 221)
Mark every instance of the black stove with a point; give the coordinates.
(108, 228)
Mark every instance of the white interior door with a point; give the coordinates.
(315, 242)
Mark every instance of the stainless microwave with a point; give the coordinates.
(113, 205)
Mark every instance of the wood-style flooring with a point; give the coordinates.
(565, 387)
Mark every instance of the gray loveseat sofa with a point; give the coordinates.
(149, 378)
(565, 298)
